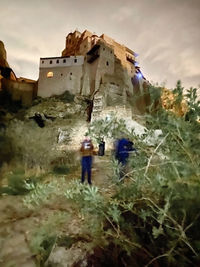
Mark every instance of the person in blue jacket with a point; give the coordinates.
(123, 147)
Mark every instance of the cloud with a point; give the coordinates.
(164, 33)
(122, 14)
(23, 68)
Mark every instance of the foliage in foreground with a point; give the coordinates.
(18, 184)
(153, 217)
(155, 213)
(45, 237)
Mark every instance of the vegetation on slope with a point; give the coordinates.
(150, 218)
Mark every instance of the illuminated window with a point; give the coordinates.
(50, 74)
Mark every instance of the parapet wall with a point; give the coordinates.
(53, 62)
(20, 91)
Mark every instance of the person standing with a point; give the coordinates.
(122, 151)
(86, 161)
(123, 147)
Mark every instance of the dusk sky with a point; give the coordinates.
(165, 33)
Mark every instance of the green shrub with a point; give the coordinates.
(154, 214)
(43, 238)
(66, 97)
(61, 170)
(18, 184)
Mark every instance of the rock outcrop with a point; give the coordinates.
(3, 56)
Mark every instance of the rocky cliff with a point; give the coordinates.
(3, 56)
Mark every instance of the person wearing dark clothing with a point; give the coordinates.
(86, 161)
(131, 147)
(122, 149)
(101, 150)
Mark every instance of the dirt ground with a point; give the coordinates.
(17, 223)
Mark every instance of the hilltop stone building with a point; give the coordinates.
(96, 67)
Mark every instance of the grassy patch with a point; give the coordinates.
(61, 170)
(18, 184)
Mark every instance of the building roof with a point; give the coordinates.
(22, 79)
(129, 50)
(57, 57)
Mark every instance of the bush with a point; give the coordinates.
(66, 97)
(44, 237)
(154, 214)
(18, 184)
(33, 146)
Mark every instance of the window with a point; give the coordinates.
(64, 60)
(50, 62)
(57, 61)
(107, 63)
(50, 74)
(104, 49)
(70, 73)
(61, 74)
(75, 60)
(42, 61)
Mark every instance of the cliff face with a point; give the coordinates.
(3, 56)
(5, 69)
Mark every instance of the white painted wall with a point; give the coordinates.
(64, 78)
(61, 61)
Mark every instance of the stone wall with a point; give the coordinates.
(85, 46)
(72, 44)
(58, 75)
(106, 64)
(105, 67)
(20, 91)
(120, 51)
(80, 44)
